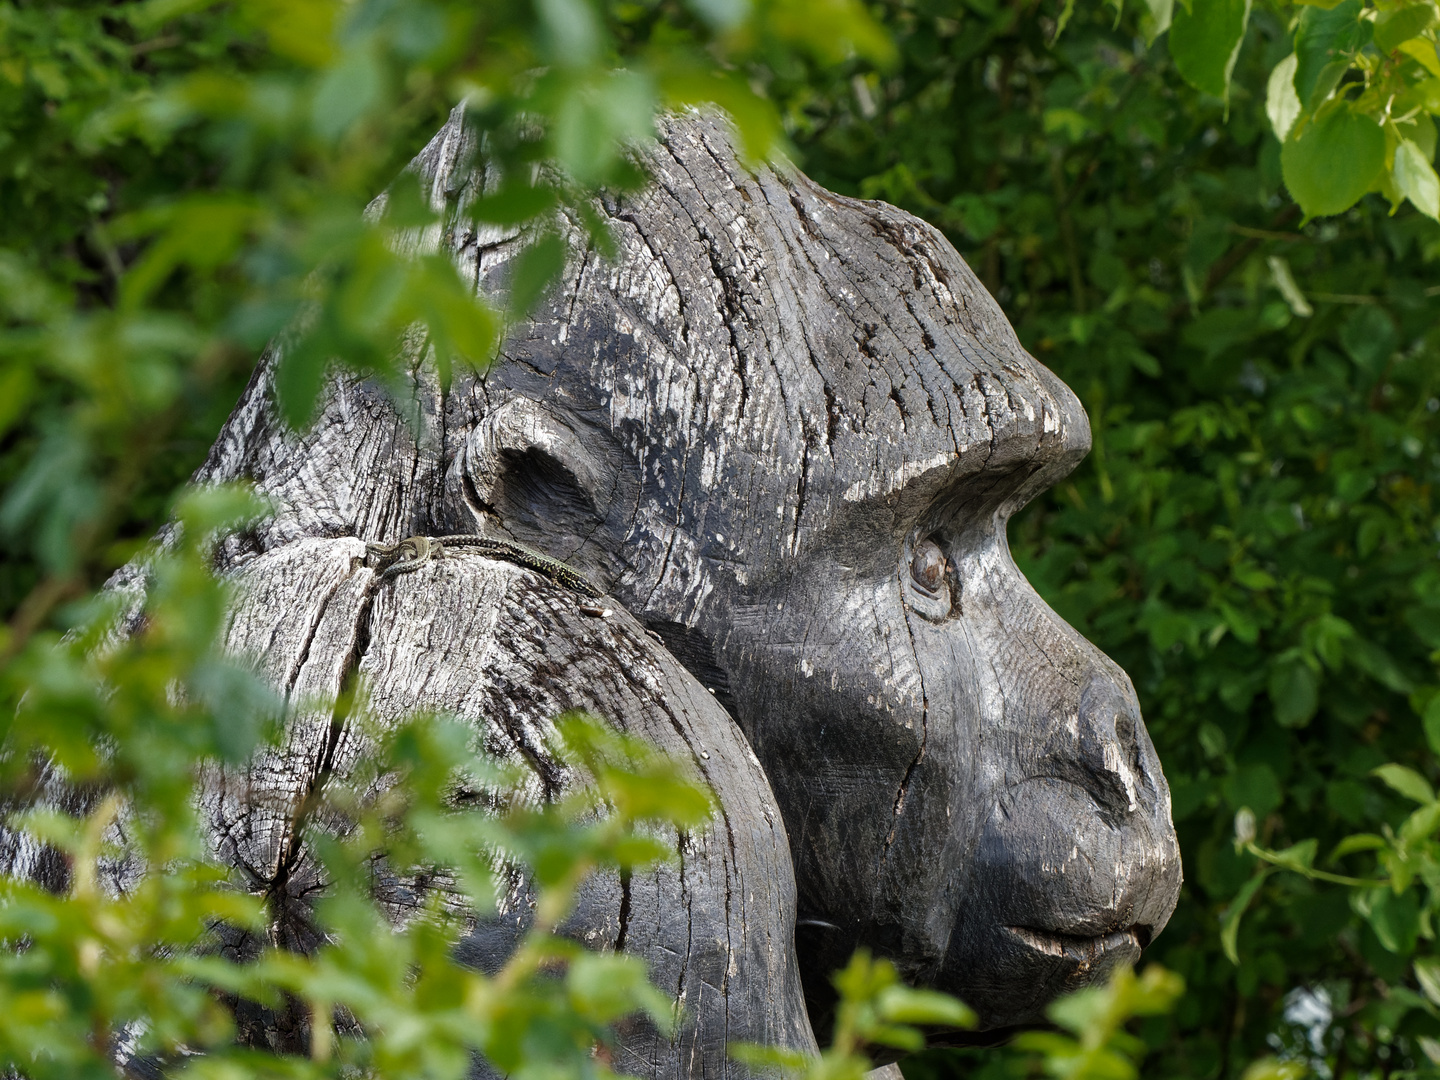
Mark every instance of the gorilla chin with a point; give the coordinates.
(1049, 914)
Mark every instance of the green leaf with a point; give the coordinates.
(346, 92)
(722, 14)
(603, 987)
(896, 1035)
(1325, 37)
(16, 386)
(1156, 18)
(1282, 104)
(1425, 621)
(1295, 692)
(1072, 123)
(1374, 661)
(1395, 919)
(1330, 163)
(1081, 1011)
(1254, 786)
(1205, 42)
(1066, 11)
(902, 1005)
(299, 376)
(596, 121)
(1419, 127)
(1431, 720)
(1251, 576)
(151, 13)
(534, 271)
(514, 204)
(1424, 52)
(571, 31)
(1358, 842)
(1326, 81)
(1230, 920)
(1369, 336)
(1415, 179)
(1393, 28)
(1427, 974)
(1420, 826)
(1327, 634)
(1241, 624)
(761, 1057)
(1406, 782)
(1298, 857)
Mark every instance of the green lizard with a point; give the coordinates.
(415, 551)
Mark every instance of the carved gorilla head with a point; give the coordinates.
(787, 430)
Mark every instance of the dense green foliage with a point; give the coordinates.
(1253, 538)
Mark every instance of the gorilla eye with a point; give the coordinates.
(927, 568)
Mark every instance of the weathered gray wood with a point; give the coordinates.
(746, 427)
(508, 650)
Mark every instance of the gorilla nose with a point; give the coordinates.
(1064, 890)
(1108, 752)
(1076, 866)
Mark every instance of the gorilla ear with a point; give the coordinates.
(552, 482)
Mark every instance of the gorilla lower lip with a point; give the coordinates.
(1079, 947)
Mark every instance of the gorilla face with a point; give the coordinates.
(787, 430)
(967, 782)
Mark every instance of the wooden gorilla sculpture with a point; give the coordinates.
(785, 430)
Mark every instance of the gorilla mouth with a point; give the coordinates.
(1082, 949)
(1035, 966)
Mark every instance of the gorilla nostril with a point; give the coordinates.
(1125, 731)
(1112, 747)
(1126, 735)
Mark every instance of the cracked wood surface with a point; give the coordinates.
(507, 650)
(744, 427)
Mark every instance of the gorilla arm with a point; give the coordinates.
(505, 649)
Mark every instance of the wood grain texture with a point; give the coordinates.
(506, 650)
(743, 427)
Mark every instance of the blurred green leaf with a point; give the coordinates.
(1230, 919)
(514, 203)
(1394, 27)
(1374, 661)
(1333, 160)
(1395, 918)
(534, 271)
(1205, 38)
(1415, 178)
(902, 1005)
(1159, 15)
(1406, 782)
(1295, 691)
(1282, 104)
(1270, 1069)
(1326, 36)
(1427, 974)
